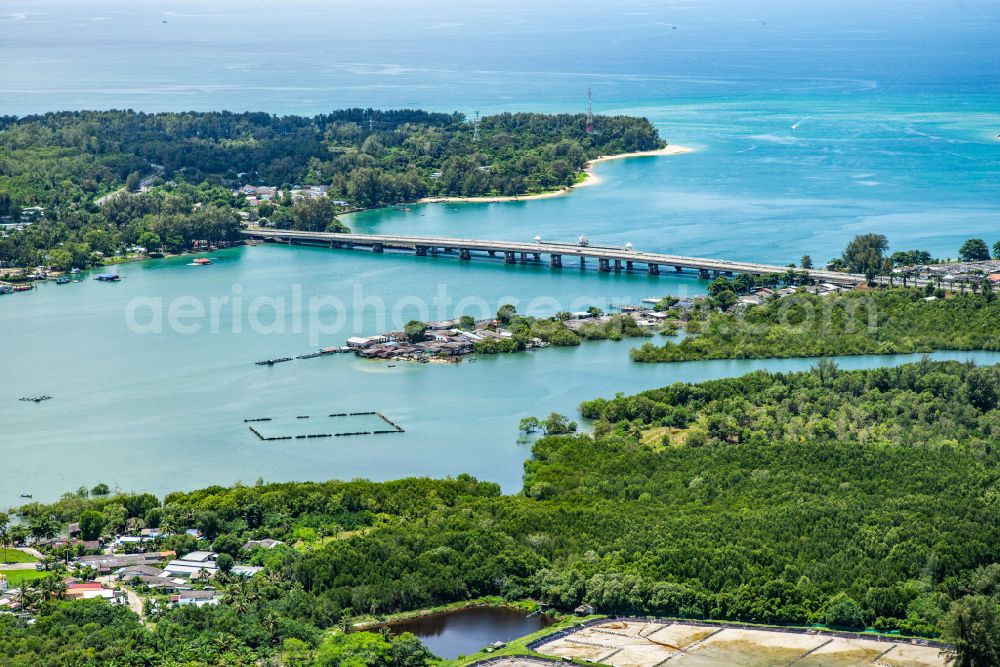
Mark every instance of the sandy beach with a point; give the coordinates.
(591, 179)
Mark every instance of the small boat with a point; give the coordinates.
(108, 277)
(74, 271)
(25, 495)
(202, 261)
(23, 288)
(62, 280)
(392, 365)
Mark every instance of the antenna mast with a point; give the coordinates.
(590, 112)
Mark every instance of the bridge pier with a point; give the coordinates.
(492, 253)
(538, 256)
(653, 269)
(628, 265)
(464, 253)
(508, 257)
(583, 262)
(678, 269)
(378, 247)
(421, 251)
(524, 257)
(703, 274)
(556, 261)
(603, 265)
(618, 265)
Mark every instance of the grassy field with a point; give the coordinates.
(16, 577)
(15, 556)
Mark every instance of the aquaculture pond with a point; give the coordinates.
(465, 631)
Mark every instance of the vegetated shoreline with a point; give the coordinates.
(368, 622)
(590, 179)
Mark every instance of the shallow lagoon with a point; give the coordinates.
(165, 411)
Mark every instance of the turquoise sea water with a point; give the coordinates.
(895, 108)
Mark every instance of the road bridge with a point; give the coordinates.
(607, 258)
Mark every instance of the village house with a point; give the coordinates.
(196, 598)
(89, 590)
(194, 565)
(105, 563)
(266, 543)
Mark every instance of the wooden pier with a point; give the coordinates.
(608, 259)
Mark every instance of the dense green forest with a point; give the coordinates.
(847, 498)
(64, 162)
(890, 321)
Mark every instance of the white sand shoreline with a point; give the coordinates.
(591, 179)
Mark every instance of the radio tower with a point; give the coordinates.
(590, 112)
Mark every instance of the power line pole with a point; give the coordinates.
(590, 112)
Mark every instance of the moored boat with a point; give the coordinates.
(108, 277)
(202, 261)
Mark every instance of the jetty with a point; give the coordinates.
(608, 259)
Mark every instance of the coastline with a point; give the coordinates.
(590, 179)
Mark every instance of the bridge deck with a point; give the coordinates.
(544, 248)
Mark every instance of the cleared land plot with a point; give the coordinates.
(908, 655)
(515, 661)
(641, 644)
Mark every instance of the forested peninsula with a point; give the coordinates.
(851, 499)
(900, 320)
(60, 172)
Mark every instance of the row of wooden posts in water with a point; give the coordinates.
(396, 428)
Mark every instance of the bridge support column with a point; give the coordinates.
(556, 261)
(583, 262)
(492, 253)
(653, 269)
(421, 251)
(333, 244)
(703, 274)
(508, 257)
(464, 253)
(678, 269)
(628, 265)
(378, 247)
(538, 256)
(524, 257)
(618, 265)
(603, 265)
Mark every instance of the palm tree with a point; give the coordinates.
(29, 597)
(4, 535)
